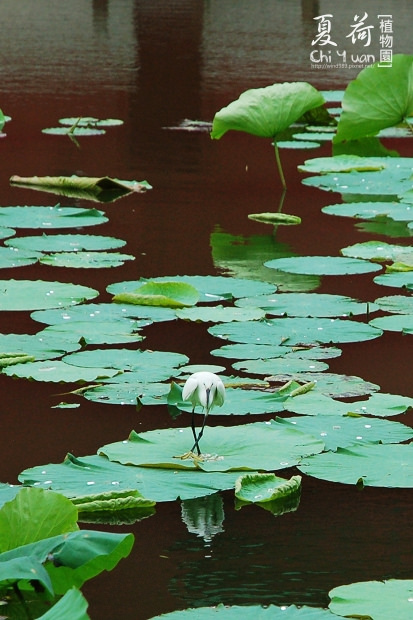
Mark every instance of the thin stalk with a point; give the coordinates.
(279, 166)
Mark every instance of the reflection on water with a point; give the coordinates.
(204, 516)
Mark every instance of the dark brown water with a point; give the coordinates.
(153, 64)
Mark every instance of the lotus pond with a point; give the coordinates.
(136, 250)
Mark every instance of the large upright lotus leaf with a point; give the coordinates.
(14, 257)
(41, 294)
(270, 446)
(57, 371)
(98, 332)
(399, 304)
(170, 294)
(395, 323)
(342, 163)
(151, 365)
(376, 99)
(307, 304)
(86, 260)
(76, 477)
(380, 600)
(104, 312)
(343, 431)
(211, 288)
(264, 112)
(376, 465)
(273, 366)
(35, 514)
(50, 217)
(379, 251)
(250, 612)
(398, 280)
(295, 331)
(73, 604)
(397, 211)
(38, 345)
(322, 265)
(65, 243)
(218, 314)
(240, 401)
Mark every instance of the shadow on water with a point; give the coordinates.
(153, 64)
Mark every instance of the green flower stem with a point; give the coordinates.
(279, 166)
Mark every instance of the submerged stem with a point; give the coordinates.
(279, 166)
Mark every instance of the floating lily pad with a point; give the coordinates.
(104, 312)
(270, 447)
(398, 280)
(76, 477)
(169, 294)
(380, 600)
(57, 371)
(98, 332)
(258, 488)
(379, 251)
(40, 294)
(395, 323)
(6, 232)
(273, 366)
(331, 384)
(397, 211)
(388, 183)
(338, 431)
(211, 288)
(75, 131)
(219, 314)
(321, 136)
(295, 331)
(13, 257)
(377, 465)
(400, 304)
(307, 305)
(240, 401)
(86, 121)
(41, 345)
(245, 351)
(50, 217)
(275, 218)
(322, 265)
(250, 612)
(342, 163)
(297, 144)
(65, 243)
(127, 390)
(151, 365)
(86, 260)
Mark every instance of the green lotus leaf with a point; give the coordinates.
(113, 501)
(395, 323)
(386, 227)
(295, 331)
(258, 488)
(65, 243)
(297, 144)
(14, 257)
(50, 217)
(23, 569)
(127, 391)
(398, 280)
(250, 612)
(40, 294)
(400, 304)
(273, 366)
(98, 332)
(6, 232)
(189, 369)
(270, 447)
(86, 121)
(377, 465)
(8, 492)
(57, 371)
(275, 218)
(307, 305)
(322, 265)
(377, 99)
(151, 365)
(75, 131)
(250, 351)
(338, 431)
(386, 184)
(76, 477)
(40, 345)
(73, 604)
(379, 251)
(321, 136)
(330, 384)
(219, 314)
(264, 112)
(86, 260)
(342, 163)
(211, 288)
(104, 312)
(170, 294)
(35, 514)
(380, 600)
(397, 211)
